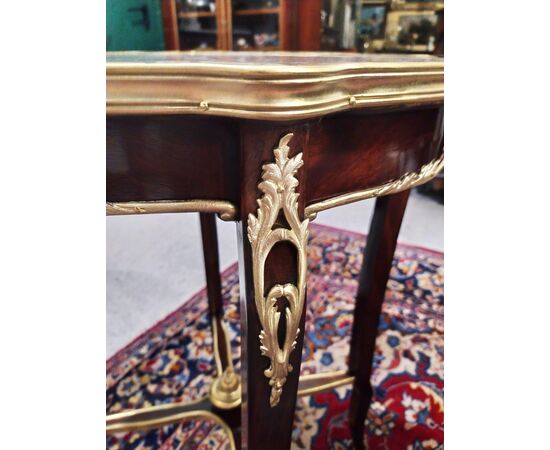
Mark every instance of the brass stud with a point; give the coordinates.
(352, 100)
(204, 105)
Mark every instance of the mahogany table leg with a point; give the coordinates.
(373, 278)
(225, 392)
(272, 281)
(213, 281)
(265, 426)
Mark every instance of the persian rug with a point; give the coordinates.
(173, 361)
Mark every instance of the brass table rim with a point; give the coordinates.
(266, 70)
(220, 83)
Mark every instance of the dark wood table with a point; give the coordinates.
(268, 141)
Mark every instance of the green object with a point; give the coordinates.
(134, 25)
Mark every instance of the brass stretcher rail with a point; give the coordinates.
(159, 415)
(162, 420)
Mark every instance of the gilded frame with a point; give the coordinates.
(404, 5)
(393, 27)
(373, 4)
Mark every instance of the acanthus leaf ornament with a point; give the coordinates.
(279, 192)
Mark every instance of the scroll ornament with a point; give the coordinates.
(278, 186)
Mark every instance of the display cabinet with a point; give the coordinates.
(242, 24)
(200, 24)
(257, 25)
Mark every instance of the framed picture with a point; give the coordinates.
(413, 31)
(371, 20)
(416, 5)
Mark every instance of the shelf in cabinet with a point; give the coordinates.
(212, 32)
(270, 48)
(256, 11)
(195, 14)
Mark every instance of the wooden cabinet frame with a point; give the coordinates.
(299, 25)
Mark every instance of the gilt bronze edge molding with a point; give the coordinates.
(403, 76)
(227, 69)
(267, 90)
(270, 92)
(225, 210)
(407, 181)
(305, 110)
(272, 73)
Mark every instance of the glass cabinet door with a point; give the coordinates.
(198, 22)
(256, 24)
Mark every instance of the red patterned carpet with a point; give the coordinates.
(173, 360)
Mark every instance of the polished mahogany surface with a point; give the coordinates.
(192, 157)
(171, 158)
(362, 151)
